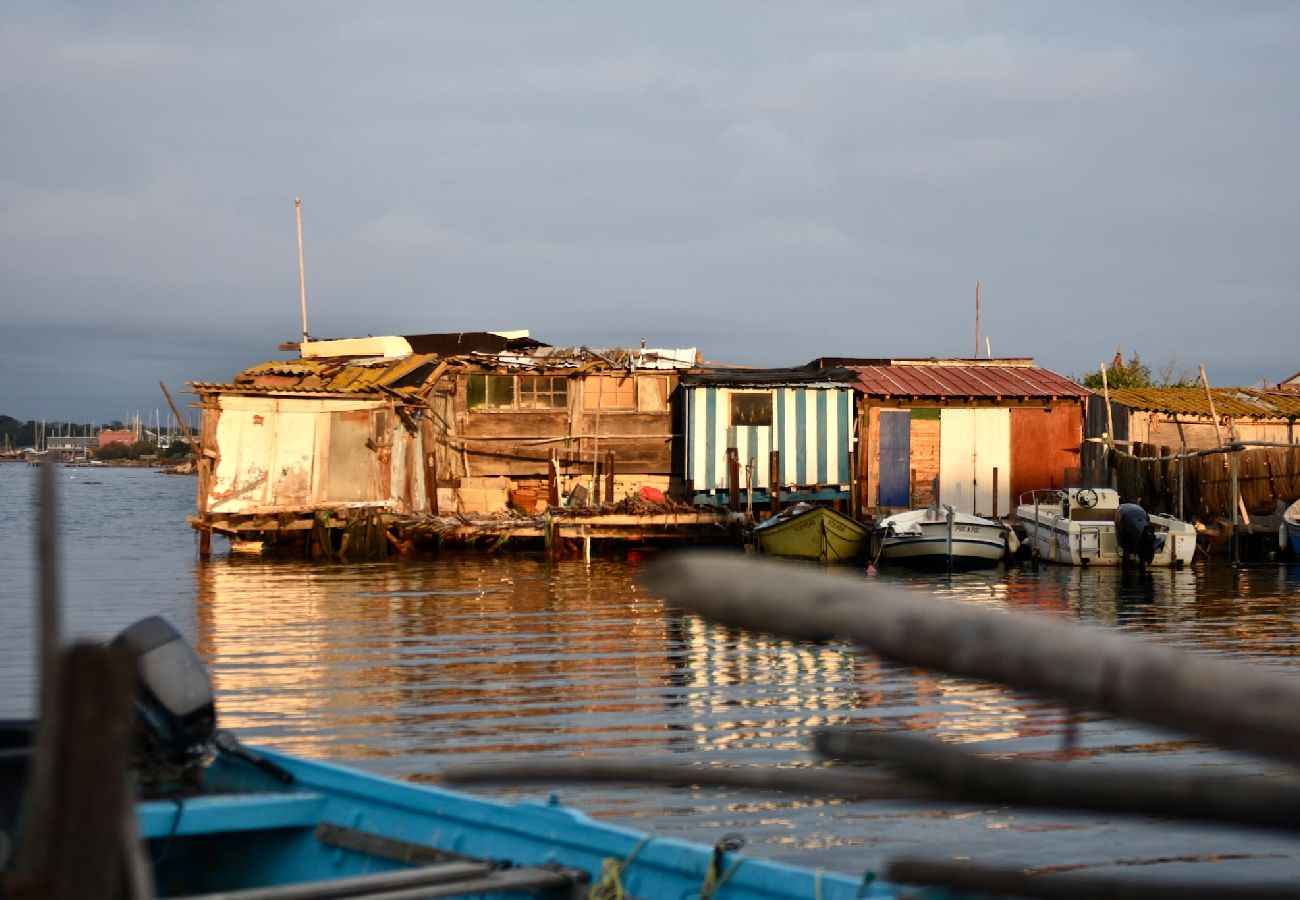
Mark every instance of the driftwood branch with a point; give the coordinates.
(1001, 881)
(839, 782)
(1259, 801)
(1231, 704)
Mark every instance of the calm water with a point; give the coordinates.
(402, 667)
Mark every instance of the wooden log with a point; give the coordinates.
(836, 781)
(1261, 802)
(1015, 881)
(1232, 704)
(733, 479)
(609, 476)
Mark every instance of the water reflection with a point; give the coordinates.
(404, 666)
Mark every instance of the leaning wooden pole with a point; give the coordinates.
(185, 429)
(1233, 705)
(302, 269)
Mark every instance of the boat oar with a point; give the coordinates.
(837, 781)
(1016, 881)
(1231, 704)
(956, 772)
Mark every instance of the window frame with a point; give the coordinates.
(557, 390)
(771, 408)
(598, 396)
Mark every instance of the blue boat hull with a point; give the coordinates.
(251, 831)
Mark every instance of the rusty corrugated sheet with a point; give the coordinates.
(1239, 403)
(973, 381)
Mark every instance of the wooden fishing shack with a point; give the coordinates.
(769, 437)
(397, 438)
(329, 443)
(987, 429)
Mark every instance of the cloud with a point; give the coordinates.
(669, 168)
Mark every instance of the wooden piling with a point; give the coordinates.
(733, 479)
(609, 476)
(553, 479)
(76, 841)
(774, 482)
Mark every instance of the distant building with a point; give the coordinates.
(1290, 384)
(116, 436)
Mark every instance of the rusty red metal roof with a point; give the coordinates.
(968, 379)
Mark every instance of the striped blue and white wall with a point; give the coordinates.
(812, 427)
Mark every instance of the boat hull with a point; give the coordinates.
(335, 822)
(817, 533)
(1059, 540)
(923, 543)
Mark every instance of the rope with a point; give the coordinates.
(609, 886)
(712, 881)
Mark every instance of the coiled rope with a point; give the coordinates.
(609, 886)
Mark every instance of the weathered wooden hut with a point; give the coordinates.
(987, 429)
(429, 424)
(344, 431)
(588, 425)
(1180, 418)
(735, 419)
(1149, 427)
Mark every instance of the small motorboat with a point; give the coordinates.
(939, 537)
(223, 820)
(1288, 534)
(812, 531)
(1090, 527)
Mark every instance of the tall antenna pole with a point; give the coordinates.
(302, 272)
(977, 320)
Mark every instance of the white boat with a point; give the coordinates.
(926, 538)
(1077, 527)
(1288, 534)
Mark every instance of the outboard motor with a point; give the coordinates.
(176, 716)
(1135, 533)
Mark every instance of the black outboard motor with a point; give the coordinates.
(1135, 533)
(177, 718)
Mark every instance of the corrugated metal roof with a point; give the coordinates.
(949, 380)
(216, 387)
(1240, 403)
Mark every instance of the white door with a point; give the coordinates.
(972, 444)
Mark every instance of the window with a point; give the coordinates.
(609, 392)
(543, 392)
(512, 392)
(490, 392)
(751, 408)
(652, 393)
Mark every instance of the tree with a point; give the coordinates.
(1121, 374)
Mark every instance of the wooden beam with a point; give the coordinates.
(1232, 704)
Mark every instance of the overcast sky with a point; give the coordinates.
(767, 182)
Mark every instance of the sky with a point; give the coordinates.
(768, 182)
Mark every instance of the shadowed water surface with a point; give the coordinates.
(402, 667)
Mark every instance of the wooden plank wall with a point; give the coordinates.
(519, 443)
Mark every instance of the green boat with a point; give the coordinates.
(811, 531)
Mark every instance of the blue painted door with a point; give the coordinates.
(895, 458)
